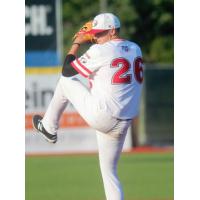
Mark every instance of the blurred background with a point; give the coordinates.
(49, 27)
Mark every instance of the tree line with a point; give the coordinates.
(149, 23)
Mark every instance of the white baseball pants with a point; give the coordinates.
(110, 132)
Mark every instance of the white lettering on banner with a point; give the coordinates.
(37, 97)
(38, 20)
(39, 91)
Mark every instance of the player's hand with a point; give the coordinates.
(81, 36)
(80, 39)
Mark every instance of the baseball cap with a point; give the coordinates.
(104, 21)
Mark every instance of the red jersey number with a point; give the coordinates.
(121, 77)
(138, 69)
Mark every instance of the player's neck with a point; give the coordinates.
(114, 37)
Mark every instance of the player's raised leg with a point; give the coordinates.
(71, 89)
(87, 105)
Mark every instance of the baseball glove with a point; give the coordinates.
(86, 27)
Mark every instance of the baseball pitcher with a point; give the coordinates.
(114, 69)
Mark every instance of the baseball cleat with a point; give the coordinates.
(37, 124)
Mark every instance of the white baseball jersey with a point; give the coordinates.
(115, 72)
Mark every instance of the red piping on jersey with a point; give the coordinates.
(78, 70)
(87, 70)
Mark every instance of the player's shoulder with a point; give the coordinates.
(103, 50)
(132, 44)
(99, 47)
(99, 50)
(128, 47)
(134, 47)
(124, 42)
(94, 50)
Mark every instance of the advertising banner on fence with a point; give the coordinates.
(43, 33)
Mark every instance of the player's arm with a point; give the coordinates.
(67, 70)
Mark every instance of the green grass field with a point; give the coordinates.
(144, 176)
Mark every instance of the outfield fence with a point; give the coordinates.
(156, 121)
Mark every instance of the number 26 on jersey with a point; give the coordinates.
(123, 65)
